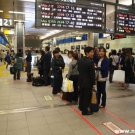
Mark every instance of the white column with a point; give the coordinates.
(53, 44)
(92, 39)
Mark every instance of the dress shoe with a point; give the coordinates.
(88, 113)
(79, 108)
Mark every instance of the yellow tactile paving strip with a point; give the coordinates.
(2, 68)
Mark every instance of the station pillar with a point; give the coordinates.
(92, 39)
(54, 42)
(19, 37)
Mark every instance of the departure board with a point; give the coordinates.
(67, 16)
(125, 22)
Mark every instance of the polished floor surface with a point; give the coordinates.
(28, 110)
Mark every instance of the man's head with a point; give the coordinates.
(70, 54)
(89, 52)
(19, 51)
(47, 48)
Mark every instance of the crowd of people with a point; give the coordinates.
(88, 72)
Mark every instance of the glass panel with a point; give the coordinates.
(110, 18)
(125, 2)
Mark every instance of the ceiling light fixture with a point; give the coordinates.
(1, 11)
(20, 21)
(23, 13)
(51, 33)
(28, 0)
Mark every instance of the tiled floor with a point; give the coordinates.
(24, 111)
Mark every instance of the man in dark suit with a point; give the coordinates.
(79, 54)
(47, 64)
(86, 80)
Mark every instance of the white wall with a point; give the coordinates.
(68, 45)
(119, 43)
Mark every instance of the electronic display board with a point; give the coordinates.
(70, 16)
(125, 21)
(6, 22)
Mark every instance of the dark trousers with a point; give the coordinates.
(85, 98)
(101, 88)
(46, 77)
(57, 80)
(17, 74)
(74, 95)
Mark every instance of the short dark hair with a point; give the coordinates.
(114, 52)
(42, 52)
(58, 49)
(78, 50)
(71, 52)
(75, 56)
(55, 52)
(19, 50)
(47, 48)
(88, 49)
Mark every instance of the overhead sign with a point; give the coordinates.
(125, 20)
(6, 22)
(70, 16)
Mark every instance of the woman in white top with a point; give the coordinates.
(114, 64)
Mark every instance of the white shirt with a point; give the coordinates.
(115, 59)
(100, 79)
(3, 55)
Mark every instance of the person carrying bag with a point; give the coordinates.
(73, 75)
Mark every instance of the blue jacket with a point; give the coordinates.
(104, 67)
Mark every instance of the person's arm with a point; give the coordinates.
(92, 73)
(121, 62)
(69, 71)
(105, 65)
(133, 64)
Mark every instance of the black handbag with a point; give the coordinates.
(12, 70)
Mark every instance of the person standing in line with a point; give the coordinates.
(102, 70)
(3, 56)
(127, 64)
(86, 80)
(28, 68)
(18, 64)
(40, 64)
(62, 63)
(73, 75)
(57, 73)
(110, 53)
(114, 64)
(8, 59)
(46, 65)
(79, 54)
(96, 56)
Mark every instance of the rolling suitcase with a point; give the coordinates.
(38, 81)
(94, 103)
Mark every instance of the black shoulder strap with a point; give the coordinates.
(75, 65)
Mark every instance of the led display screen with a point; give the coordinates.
(125, 22)
(68, 16)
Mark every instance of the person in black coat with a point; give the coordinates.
(57, 67)
(86, 80)
(46, 64)
(40, 64)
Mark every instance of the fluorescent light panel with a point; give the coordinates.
(20, 21)
(23, 13)
(28, 0)
(1, 11)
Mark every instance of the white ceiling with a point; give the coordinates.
(26, 6)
